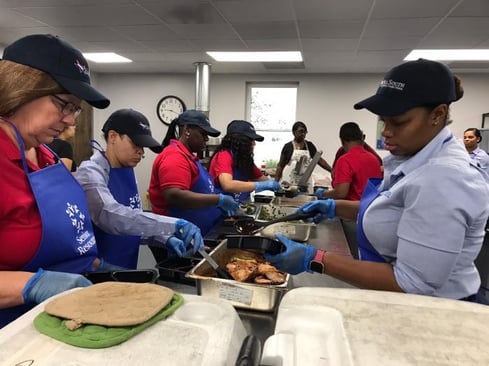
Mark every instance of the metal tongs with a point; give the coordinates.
(249, 226)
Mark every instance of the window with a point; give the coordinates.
(272, 110)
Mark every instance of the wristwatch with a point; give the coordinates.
(316, 265)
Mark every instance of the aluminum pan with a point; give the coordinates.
(293, 202)
(239, 294)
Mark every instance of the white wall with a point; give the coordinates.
(324, 103)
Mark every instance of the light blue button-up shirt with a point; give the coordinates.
(429, 220)
(481, 157)
(113, 217)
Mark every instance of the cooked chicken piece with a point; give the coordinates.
(266, 267)
(261, 280)
(276, 277)
(242, 270)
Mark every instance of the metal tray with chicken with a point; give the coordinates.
(256, 284)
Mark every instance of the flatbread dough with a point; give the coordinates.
(111, 304)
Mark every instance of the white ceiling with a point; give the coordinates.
(335, 36)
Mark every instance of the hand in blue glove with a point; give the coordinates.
(296, 257)
(319, 193)
(265, 185)
(45, 284)
(326, 209)
(108, 267)
(227, 204)
(175, 246)
(190, 235)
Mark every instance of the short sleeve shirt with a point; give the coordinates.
(20, 221)
(222, 162)
(174, 167)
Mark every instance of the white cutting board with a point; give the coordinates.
(204, 331)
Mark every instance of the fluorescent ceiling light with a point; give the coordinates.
(279, 56)
(450, 55)
(105, 57)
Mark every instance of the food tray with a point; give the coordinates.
(240, 294)
(174, 270)
(295, 230)
(297, 201)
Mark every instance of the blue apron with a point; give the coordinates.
(67, 242)
(366, 250)
(121, 250)
(241, 196)
(204, 218)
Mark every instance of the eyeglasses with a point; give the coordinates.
(67, 108)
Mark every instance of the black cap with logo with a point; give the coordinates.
(135, 125)
(243, 128)
(61, 61)
(194, 117)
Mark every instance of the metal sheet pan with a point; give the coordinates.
(297, 201)
(241, 294)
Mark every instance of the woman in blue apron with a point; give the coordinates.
(180, 186)
(232, 166)
(109, 183)
(422, 226)
(46, 236)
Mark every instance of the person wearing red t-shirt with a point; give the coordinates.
(46, 237)
(351, 172)
(180, 186)
(232, 166)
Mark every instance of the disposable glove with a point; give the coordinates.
(326, 209)
(108, 267)
(265, 185)
(190, 235)
(296, 257)
(45, 284)
(175, 246)
(319, 193)
(227, 204)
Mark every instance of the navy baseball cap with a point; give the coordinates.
(135, 125)
(193, 117)
(409, 85)
(61, 61)
(244, 128)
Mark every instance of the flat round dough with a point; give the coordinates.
(111, 304)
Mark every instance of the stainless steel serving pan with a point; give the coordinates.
(241, 294)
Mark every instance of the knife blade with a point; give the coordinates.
(221, 272)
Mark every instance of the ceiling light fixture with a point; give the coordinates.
(105, 57)
(450, 55)
(278, 56)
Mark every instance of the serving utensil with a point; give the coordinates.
(221, 272)
(249, 226)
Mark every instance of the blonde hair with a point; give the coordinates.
(20, 84)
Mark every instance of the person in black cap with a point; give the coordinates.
(422, 226)
(46, 234)
(296, 156)
(109, 183)
(180, 186)
(232, 166)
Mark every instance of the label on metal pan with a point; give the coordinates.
(236, 294)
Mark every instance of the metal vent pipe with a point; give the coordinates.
(202, 86)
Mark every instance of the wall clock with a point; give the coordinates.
(169, 108)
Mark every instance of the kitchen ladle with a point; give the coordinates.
(249, 226)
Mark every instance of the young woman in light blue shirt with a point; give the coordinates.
(422, 226)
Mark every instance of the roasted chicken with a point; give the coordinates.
(255, 270)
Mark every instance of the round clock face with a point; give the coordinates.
(169, 108)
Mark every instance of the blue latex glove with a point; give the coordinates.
(326, 209)
(319, 193)
(271, 185)
(296, 257)
(175, 246)
(190, 235)
(107, 267)
(227, 204)
(45, 284)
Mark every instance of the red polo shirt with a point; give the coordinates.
(355, 167)
(172, 168)
(20, 222)
(222, 162)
